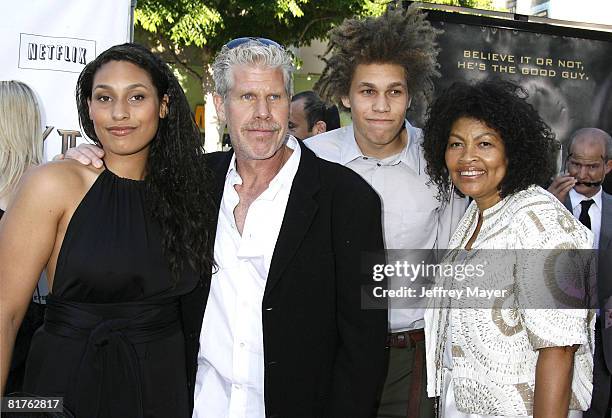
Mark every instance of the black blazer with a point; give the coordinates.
(604, 271)
(324, 355)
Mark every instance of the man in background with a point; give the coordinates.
(580, 190)
(310, 116)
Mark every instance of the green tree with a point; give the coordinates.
(189, 32)
(475, 4)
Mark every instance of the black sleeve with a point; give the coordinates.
(360, 364)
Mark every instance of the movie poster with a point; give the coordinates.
(567, 72)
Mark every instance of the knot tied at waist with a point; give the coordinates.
(107, 381)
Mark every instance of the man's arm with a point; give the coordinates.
(561, 186)
(86, 154)
(361, 358)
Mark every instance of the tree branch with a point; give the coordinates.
(180, 62)
(313, 21)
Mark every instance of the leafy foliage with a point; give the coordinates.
(212, 23)
(475, 4)
(188, 33)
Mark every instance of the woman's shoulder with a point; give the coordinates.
(59, 177)
(542, 218)
(52, 189)
(531, 201)
(530, 197)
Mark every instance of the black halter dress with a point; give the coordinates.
(112, 342)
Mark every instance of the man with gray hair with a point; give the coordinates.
(279, 329)
(588, 161)
(283, 333)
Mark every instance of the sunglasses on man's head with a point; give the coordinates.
(240, 41)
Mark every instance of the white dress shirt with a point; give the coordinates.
(594, 211)
(412, 216)
(230, 376)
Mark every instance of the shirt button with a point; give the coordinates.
(236, 386)
(365, 158)
(241, 345)
(379, 164)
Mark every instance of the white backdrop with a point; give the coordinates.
(46, 44)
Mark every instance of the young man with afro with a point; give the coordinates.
(375, 68)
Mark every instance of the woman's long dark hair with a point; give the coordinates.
(178, 183)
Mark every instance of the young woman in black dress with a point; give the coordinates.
(121, 245)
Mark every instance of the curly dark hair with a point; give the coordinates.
(402, 37)
(529, 143)
(177, 183)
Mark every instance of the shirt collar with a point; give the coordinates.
(283, 177)
(232, 171)
(576, 198)
(350, 150)
(410, 155)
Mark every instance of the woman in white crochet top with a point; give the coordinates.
(487, 361)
